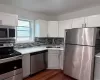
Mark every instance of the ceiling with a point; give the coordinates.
(52, 7)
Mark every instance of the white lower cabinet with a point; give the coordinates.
(26, 65)
(55, 59)
(61, 59)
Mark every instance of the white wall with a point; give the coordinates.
(25, 14)
(80, 13)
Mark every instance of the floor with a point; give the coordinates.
(50, 75)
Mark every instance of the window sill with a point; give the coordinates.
(17, 42)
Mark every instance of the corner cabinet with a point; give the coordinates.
(63, 25)
(41, 28)
(92, 21)
(8, 19)
(52, 28)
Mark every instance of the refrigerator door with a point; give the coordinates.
(77, 61)
(82, 36)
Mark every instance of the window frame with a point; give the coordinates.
(32, 32)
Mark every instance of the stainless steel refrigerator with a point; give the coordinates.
(79, 53)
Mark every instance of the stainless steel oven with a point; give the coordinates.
(7, 32)
(11, 68)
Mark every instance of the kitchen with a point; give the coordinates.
(35, 46)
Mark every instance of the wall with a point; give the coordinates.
(22, 13)
(80, 13)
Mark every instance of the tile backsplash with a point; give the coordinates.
(41, 41)
(50, 41)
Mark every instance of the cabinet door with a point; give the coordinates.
(52, 28)
(9, 19)
(93, 21)
(66, 24)
(41, 27)
(53, 59)
(78, 22)
(26, 65)
(61, 59)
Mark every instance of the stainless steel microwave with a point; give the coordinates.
(7, 32)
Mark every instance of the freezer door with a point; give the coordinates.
(83, 36)
(77, 61)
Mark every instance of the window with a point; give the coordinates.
(24, 31)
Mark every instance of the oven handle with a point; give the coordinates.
(10, 59)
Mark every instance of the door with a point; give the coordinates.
(53, 61)
(41, 28)
(61, 59)
(84, 36)
(78, 22)
(52, 28)
(93, 21)
(9, 19)
(63, 25)
(72, 60)
(78, 61)
(26, 65)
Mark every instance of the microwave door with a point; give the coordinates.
(3, 33)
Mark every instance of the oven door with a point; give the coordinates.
(16, 77)
(3, 33)
(11, 68)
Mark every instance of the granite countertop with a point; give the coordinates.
(36, 49)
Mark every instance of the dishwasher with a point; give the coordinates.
(38, 61)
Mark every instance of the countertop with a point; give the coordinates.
(36, 49)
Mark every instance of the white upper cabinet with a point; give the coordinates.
(66, 24)
(41, 28)
(52, 28)
(78, 22)
(8, 19)
(93, 21)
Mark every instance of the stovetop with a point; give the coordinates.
(15, 53)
